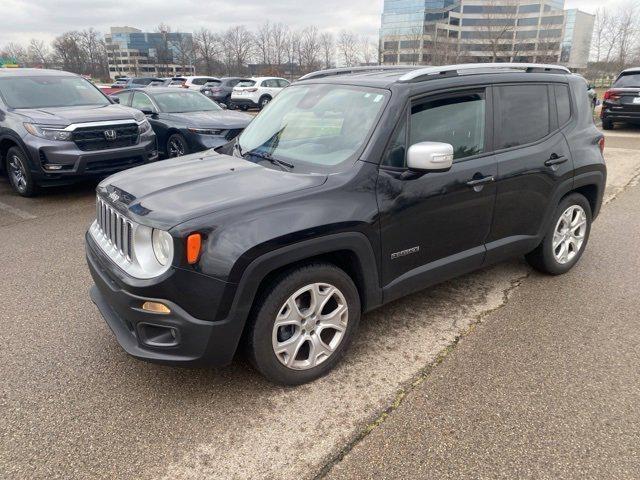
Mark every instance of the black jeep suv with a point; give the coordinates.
(57, 128)
(353, 188)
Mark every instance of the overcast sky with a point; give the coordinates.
(45, 19)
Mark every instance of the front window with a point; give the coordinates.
(317, 125)
(49, 92)
(628, 80)
(183, 102)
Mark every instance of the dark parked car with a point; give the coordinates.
(141, 82)
(220, 90)
(621, 103)
(57, 128)
(184, 121)
(354, 188)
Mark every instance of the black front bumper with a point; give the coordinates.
(184, 339)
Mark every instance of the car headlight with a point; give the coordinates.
(48, 132)
(205, 131)
(144, 126)
(162, 244)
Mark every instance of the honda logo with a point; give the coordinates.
(110, 134)
(114, 196)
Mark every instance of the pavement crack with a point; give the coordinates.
(418, 379)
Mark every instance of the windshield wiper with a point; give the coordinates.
(270, 158)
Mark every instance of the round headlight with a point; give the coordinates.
(162, 244)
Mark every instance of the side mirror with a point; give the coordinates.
(114, 99)
(430, 156)
(148, 111)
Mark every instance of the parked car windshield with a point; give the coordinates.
(246, 83)
(317, 125)
(182, 102)
(629, 80)
(48, 92)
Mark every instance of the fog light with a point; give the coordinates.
(156, 307)
(52, 166)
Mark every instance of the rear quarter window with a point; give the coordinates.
(563, 103)
(523, 114)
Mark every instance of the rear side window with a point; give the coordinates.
(563, 104)
(523, 114)
(457, 119)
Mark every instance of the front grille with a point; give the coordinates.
(113, 164)
(89, 139)
(233, 133)
(116, 228)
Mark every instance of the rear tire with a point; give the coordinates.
(303, 323)
(607, 124)
(19, 174)
(566, 238)
(264, 101)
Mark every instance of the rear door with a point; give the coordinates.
(533, 160)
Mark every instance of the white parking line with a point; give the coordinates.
(16, 211)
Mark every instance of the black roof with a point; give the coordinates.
(34, 72)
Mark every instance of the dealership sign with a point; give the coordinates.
(8, 63)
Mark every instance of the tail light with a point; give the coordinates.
(251, 90)
(601, 145)
(613, 95)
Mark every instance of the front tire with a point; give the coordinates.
(264, 101)
(303, 324)
(19, 174)
(177, 146)
(566, 239)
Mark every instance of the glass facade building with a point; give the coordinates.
(132, 52)
(448, 31)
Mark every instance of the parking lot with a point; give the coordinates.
(74, 405)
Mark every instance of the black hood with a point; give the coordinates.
(220, 119)
(63, 116)
(170, 192)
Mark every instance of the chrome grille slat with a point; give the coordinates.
(115, 228)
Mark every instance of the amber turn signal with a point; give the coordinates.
(194, 244)
(155, 307)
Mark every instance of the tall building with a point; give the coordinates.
(134, 53)
(435, 32)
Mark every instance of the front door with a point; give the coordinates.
(434, 225)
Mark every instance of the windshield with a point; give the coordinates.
(246, 83)
(321, 125)
(182, 102)
(215, 83)
(47, 92)
(629, 80)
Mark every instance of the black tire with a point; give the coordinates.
(607, 124)
(20, 178)
(271, 302)
(177, 146)
(264, 101)
(244, 108)
(543, 257)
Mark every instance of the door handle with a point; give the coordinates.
(555, 160)
(476, 182)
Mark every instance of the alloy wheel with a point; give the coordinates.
(18, 173)
(569, 234)
(310, 326)
(176, 148)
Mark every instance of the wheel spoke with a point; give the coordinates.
(334, 319)
(318, 349)
(289, 314)
(290, 348)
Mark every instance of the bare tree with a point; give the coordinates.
(237, 45)
(69, 52)
(164, 54)
(280, 37)
(327, 48)
(309, 48)
(182, 46)
(498, 25)
(368, 51)
(39, 53)
(348, 48)
(15, 52)
(206, 46)
(263, 39)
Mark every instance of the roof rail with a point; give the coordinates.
(346, 70)
(429, 73)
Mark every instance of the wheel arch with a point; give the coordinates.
(6, 143)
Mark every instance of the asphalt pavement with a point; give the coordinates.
(74, 405)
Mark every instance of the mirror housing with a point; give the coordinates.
(114, 99)
(430, 156)
(148, 111)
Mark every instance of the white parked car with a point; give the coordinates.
(257, 92)
(192, 83)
